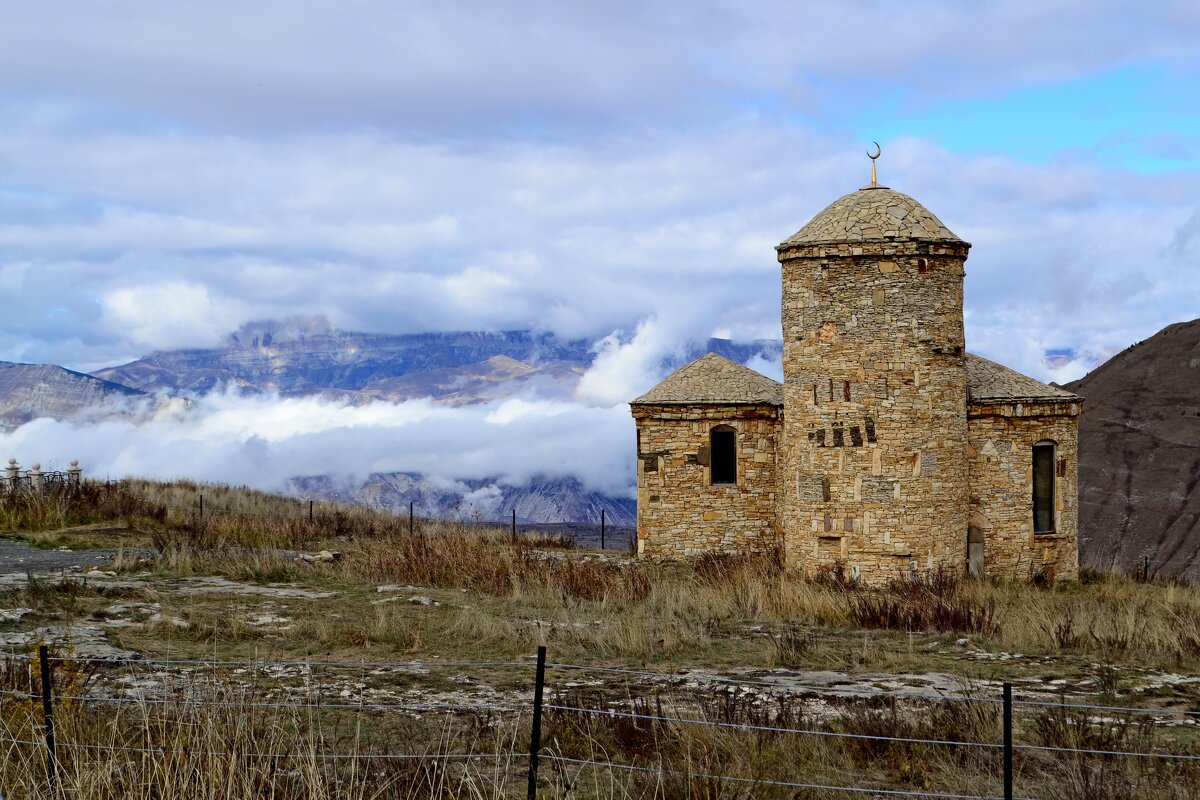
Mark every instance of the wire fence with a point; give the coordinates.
(564, 708)
(597, 533)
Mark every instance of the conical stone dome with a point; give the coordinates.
(874, 214)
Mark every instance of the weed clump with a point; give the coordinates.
(933, 602)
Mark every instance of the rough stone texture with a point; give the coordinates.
(714, 379)
(680, 511)
(875, 397)
(872, 467)
(873, 215)
(1001, 440)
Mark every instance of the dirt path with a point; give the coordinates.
(21, 557)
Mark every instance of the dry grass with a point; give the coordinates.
(502, 596)
(616, 606)
(238, 746)
(61, 506)
(639, 736)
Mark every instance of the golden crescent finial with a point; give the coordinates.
(878, 152)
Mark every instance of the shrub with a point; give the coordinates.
(931, 602)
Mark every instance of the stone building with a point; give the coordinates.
(888, 449)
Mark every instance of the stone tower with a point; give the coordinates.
(874, 447)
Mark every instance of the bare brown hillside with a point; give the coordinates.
(1139, 463)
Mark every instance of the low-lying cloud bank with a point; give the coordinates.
(263, 441)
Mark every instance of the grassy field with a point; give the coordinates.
(446, 592)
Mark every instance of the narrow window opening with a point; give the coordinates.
(1043, 488)
(724, 455)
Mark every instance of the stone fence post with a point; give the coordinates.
(35, 477)
(12, 473)
(74, 473)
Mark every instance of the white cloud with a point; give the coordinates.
(530, 66)
(622, 370)
(264, 441)
(772, 368)
(168, 315)
(169, 171)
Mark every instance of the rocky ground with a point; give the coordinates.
(138, 621)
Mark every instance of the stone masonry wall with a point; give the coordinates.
(679, 512)
(875, 425)
(1001, 438)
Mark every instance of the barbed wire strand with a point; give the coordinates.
(1127, 709)
(396, 665)
(365, 706)
(1091, 752)
(783, 784)
(864, 692)
(227, 754)
(766, 728)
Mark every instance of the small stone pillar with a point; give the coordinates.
(12, 474)
(35, 477)
(74, 473)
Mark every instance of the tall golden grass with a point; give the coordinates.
(230, 742)
(601, 608)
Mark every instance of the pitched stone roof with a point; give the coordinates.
(716, 380)
(873, 215)
(989, 382)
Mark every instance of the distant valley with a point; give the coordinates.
(306, 357)
(1139, 448)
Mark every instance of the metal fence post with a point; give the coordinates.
(602, 529)
(202, 505)
(48, 717)
(310, 510)
(535, 736)
(1008, 746)
(514, 525)
(410, 517)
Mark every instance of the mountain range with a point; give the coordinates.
(30, 391)
(305, 356)
(1139, 433)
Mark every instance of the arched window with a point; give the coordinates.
(723, 464)
(1043, 487)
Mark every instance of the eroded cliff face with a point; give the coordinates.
(1139, 459)
(29, 391)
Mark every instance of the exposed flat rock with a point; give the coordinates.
(217, 585)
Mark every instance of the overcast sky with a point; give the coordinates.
(169, 171)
